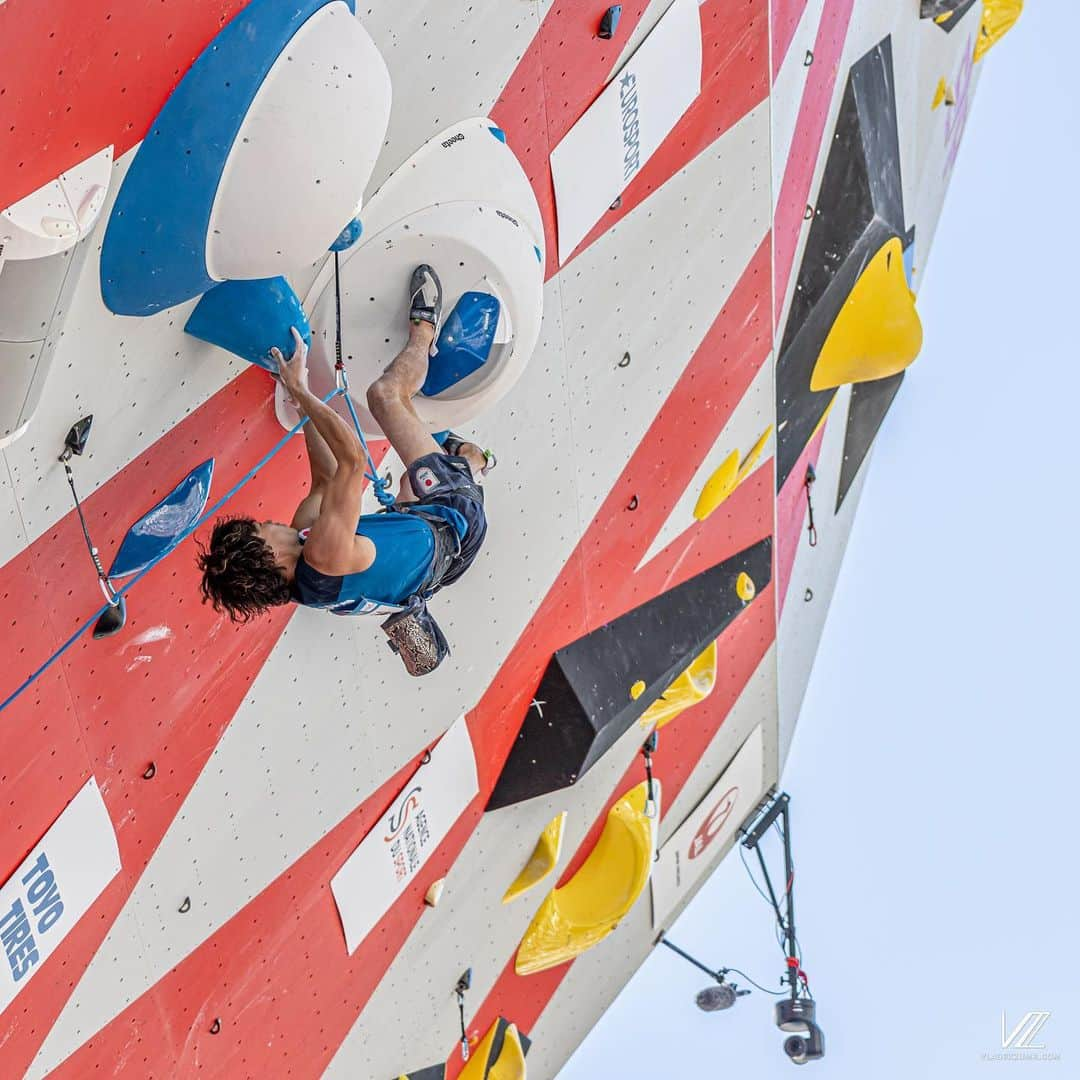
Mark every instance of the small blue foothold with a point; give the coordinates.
(539, 255)
(609, 23)
(498, 133)
(348, 236)
(465, 342)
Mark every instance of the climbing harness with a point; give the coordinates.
(808, 483)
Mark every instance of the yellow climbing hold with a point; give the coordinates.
(728, 477)
(943, 95)
(877, 332)
(718, 487)
(542, 861)
(509, 1065)
(998, 18)
(637, 690)
(591, 904)
(693, 685)
(745, 588)
(751, 458)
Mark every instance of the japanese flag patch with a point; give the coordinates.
(427, 480)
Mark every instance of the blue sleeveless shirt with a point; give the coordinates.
(404, 553)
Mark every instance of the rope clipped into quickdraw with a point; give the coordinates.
(647, 751)
(808, 483)
(110, 594)
(341, 377)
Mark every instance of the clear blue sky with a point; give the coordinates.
(935, 766)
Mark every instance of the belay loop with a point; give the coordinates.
(379, 484)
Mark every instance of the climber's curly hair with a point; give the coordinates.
(239, 573)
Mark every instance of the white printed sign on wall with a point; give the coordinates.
(395, 850)
(57, 883)
(621, 130)
(690, 852)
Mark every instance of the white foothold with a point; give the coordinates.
(434, 894)
(59, 228)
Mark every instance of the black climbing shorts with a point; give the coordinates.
(442, 480)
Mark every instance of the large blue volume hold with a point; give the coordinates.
(465, 342)
(159, 530)
(248, 318)
(154, 252)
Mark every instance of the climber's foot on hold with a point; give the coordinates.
(425, 297)
(399, 383)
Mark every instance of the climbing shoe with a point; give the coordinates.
(425, 296)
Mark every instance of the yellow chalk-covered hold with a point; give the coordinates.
(637, 690)
(877, 332)
(745, 588)
(943, 94)
(998, 18)
(509, 1065)
(693, 685)
(542, 861)
(593, 902)
(752, 456)
(718, 487)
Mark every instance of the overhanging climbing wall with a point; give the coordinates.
(646, 468)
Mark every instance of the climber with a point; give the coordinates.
(332, 557)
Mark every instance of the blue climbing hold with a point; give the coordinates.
(154, 251)
(498, 133)
(348, 236)
(610, 22)
(161, 529)
(465, 342)
(249, 317)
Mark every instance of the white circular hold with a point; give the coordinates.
(471, 247)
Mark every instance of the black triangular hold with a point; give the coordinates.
(583, 703)
(954, 10)
(870, 401)
(432, 1072)
(860, 206)
(78, 433)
